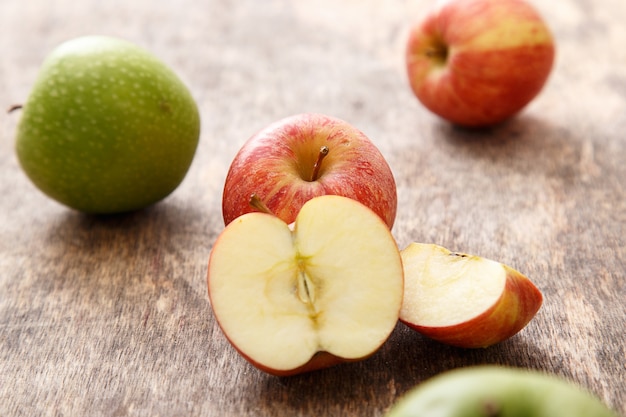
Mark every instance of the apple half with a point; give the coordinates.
(464, 300)
(295, 298)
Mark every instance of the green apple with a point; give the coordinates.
(495, 391)
(107, 127)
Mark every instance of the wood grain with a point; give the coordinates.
(109, 316)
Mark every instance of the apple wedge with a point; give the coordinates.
(294, 298)
(464, 300)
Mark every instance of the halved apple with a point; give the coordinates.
(294, 298)
(463, 300)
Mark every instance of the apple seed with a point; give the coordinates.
(306, 288)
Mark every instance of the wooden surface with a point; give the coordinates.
(110, 316)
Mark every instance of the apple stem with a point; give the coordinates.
(256, 203)
(439, 53)
(318, 163)
(14, 107)
(492, 409)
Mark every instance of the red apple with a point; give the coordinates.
(304, 156)
(479, 62)
(295, 298)
(463, 300)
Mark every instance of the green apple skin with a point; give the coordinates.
(107, 127)
(495, 391)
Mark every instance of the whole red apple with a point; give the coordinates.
(304, 156)
(479, 62)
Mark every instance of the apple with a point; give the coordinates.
(304, 156)
(107, 127)
(295, 298)
(478, 62)
(463, 300)
(497, 391)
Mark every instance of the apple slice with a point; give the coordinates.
(463, 300)
(294, 298)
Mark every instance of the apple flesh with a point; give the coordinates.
(495, 391)
(479, 62)
(324, 290)
(463, 300)
(107, 127)
(305, 156)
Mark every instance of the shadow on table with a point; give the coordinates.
(106, 255)
(403, 362)
(526, 145)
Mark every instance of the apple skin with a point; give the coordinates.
(276, 164)
(320, 360)
(498, 391)
(519, 303)
(107, 127)
(476, 63)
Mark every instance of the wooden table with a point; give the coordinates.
(110, 316)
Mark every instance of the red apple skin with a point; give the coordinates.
(499, 56)
(319, 360)
(276, 164)
(518, 304)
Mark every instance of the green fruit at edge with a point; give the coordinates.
(492, 391)
(107, 127)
